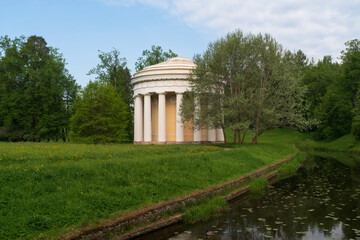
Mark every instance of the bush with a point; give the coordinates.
(205, 210)
(100, 115)
(256, 184)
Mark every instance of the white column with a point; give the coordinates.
(179, 121)
(138, 119)
(211, 134)
(162, 120)
(147, 118)
(197, 132)
(219, 135)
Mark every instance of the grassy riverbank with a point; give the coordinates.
(48, 188)
(345, 143)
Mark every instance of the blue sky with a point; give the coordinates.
(79, 28)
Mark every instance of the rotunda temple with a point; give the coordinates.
(158, 91)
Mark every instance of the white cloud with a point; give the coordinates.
(317, 27)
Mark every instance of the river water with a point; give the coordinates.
(322, 201)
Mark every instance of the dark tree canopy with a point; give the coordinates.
(332, 91)
(36, 91)
(153, 56)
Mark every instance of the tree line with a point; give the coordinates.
(244, 82)
(36, 91)
(247, 82)
(41, 101)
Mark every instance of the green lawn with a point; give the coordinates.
(48, 188)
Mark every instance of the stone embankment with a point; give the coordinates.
(148, 216)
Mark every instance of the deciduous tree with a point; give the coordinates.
(112, 70)
(153, 56)
(100, 115)
(36, 90)
(245, 82)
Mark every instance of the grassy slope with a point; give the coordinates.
(47, 188)
(345, 143)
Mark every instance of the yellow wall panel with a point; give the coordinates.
(154, 117)
(204, 134)
(188, 131)
(170, 119)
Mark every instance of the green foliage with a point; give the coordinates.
(153, 56)
(112, 70)
(50, 188)
(100, 115)
(334, 113)
(289, 168)
(332, 91)
(329, 98)
(36, 91)
(257, 184)
(246, 82)
(351, 66)
(205, 210)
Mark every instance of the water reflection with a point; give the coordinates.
(320, 202)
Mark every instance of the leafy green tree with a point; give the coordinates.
(153, 56)
(112, 70)
(351, 66)
(334, 113)
(36, 90)
(245, 82)
(331, 98)
(317, 78)
(100, 115)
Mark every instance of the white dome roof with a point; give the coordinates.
(169, 76)
(175, 63)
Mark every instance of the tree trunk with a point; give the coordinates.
(234, 136)
(354, 100)
(239, 137)
(243, 138)
(253, 137)
(63, 134)
(223, 130)
(256, 136)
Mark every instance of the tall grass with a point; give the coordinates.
(47, 189)
(205, 210)
(257, 184)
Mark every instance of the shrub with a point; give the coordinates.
(256, 184)
(205, 210)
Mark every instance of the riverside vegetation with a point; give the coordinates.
(48, 189)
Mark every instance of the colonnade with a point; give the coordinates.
(143, 121)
